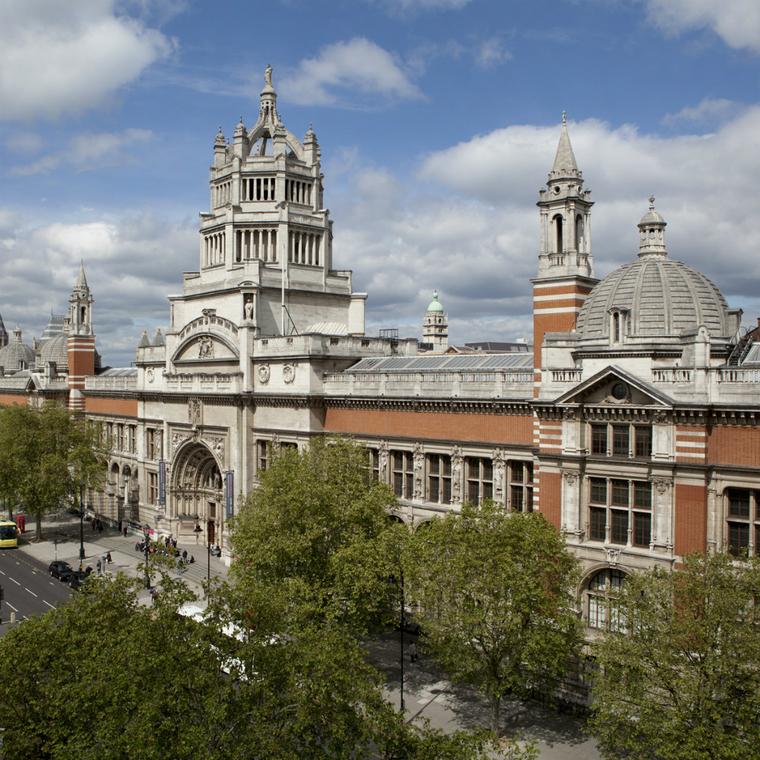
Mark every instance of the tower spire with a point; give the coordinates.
(81, 283)
(565, 165)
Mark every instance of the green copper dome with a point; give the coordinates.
(435, 304)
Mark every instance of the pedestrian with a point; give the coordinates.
(192, 559)
(413, 652)
(100, 526)
(108, 558)
(125, 530)
(184, 554)
(99, 566)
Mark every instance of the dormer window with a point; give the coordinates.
(618, 325)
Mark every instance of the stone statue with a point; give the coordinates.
(419, 469)
(268, 76)
(205, 348)
(456, 475)
(248, 308)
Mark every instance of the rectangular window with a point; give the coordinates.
(738, 539)
(643, 437)
(153, 488)
(120, 437)
(517, 498)
(516, 472)
(619, 493)
(642, 495)
(642, 528)
(519, 489)
(598, 491)
(262, 455)
(439, 478)
(599, 439)
(479, 479)
(373, 465)
(403, 474)
(620, 440)
(598, 524)
(619, 526)
(150, 443)
(738, 502)
(131, 436)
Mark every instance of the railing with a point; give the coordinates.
(739, 375)
(111, 383)
(566, 375)
(672, 375)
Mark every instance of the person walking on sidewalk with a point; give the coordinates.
(413, 652)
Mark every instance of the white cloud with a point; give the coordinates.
(344, 70)
(132, 263)
(58, 58)
(707, 111)
(491, 52)
(470, 228)
(413, 6)
(87, 152)
(736, 22)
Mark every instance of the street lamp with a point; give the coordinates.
(81, 524)
(402, 622)
(146, 549)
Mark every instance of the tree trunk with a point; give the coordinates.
(38, 527)
(496, 715)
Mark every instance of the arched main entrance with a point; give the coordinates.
(196, 494)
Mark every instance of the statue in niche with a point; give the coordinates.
(268, 76)
(194, 411)
(419, 469)
(248, 308)
(456, 475)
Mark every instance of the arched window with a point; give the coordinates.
(558, 242)
(601, 600)
(579, 233)
(617, 325)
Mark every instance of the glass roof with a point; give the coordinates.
(447, 363)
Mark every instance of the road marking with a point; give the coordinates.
(15, 581)
(2, 571)
(52, 606)
(11, 606)
(30, 591)
(51, 583)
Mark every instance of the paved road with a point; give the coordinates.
(29, 589)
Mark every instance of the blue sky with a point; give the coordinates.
(437, 119)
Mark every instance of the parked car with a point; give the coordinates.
(60, 569)
(78, 577)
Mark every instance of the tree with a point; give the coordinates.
(495, 593)
(314, 536)
(680, 677)
(48, 457)
(104, 676)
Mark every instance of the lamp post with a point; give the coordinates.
(146, 549)
(81, 525)
(402, 622)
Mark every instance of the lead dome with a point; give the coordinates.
(660, 297)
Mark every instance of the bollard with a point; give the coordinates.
(13, 618)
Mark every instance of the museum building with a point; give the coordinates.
(633, 425)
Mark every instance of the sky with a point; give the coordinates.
(437, 119)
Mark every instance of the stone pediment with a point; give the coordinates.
(615, 387)
(205, 348)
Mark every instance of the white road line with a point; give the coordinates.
(15, 581)
(2, 571)
(51, 583)
(30, 591)
(11, 606)
(52, 606)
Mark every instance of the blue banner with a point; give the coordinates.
(229, 492)
(162, 483)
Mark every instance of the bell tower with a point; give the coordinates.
(565, 264)
(81, 341)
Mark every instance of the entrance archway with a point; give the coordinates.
(196, 492)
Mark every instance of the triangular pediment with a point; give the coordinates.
(615, 387)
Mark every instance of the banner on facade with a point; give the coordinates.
(162, 483)
(229, 492)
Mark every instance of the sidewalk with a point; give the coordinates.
(61, 541)
(427, 694)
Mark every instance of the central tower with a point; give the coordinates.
(267, 231)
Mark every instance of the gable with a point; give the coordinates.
(615, 387)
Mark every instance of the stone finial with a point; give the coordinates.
(268, 76)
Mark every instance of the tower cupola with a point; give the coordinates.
(652, 233)
(435, 327)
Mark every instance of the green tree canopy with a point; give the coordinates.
(680, 680)
(316, 536)
(496, 599)
(106, 677)
(47, 456)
